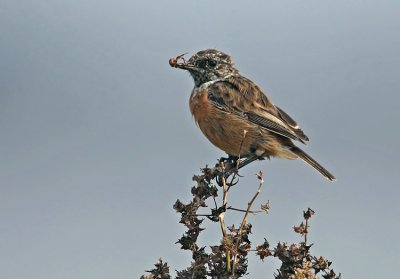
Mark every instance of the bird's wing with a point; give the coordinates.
(241, 96)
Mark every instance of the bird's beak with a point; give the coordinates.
(181, 63)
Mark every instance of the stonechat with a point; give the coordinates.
(236, 116)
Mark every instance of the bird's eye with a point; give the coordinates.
(212, 63)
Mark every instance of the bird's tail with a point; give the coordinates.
(307, 158)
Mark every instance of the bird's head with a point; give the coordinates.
(206, 65)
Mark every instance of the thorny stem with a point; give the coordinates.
(244, 221)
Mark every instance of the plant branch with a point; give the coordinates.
(244, 221)
(243, 210)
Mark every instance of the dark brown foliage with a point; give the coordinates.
(228, 259)
(161, 271)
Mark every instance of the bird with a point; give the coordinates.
(236, 115)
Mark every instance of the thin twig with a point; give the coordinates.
(238, 160)
(305, 235)
(201, 215)
(222, 217)
(242, 210)
(224, 202)
(261, 181)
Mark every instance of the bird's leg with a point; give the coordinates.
(228, 163)
(233, 168)
(234, 165)
(241, 164)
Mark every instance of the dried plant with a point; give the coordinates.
(229, 258)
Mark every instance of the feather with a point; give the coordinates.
(309, 160)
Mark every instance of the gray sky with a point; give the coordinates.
(97, 141)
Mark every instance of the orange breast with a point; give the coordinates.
(227, 130)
